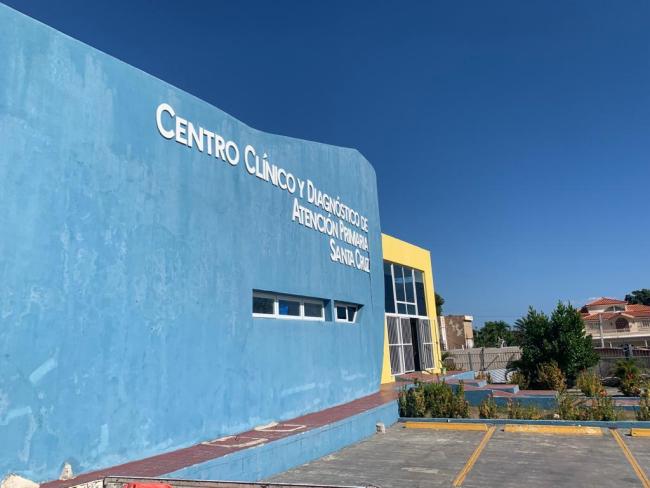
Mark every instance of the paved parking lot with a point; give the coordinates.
(422, 458)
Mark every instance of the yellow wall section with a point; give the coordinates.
(401, 252)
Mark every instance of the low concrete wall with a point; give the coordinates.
(258, 463)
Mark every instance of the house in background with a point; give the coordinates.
(615, 323)
(456, 331)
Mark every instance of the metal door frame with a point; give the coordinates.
(420, 343)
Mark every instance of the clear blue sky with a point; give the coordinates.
(510, 138)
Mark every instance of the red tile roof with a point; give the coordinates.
(636, 313)
(606, 301)
(643, 311)
(605, 315)
(635, 308)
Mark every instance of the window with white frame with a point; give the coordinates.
(404, 290)
(345, 312)
(273, 305)
(615, 308)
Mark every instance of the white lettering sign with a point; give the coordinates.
(337, 220)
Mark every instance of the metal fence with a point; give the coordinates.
(482, 359)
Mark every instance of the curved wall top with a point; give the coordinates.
(128, 260)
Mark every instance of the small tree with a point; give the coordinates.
(494, 334)
(439, 303)
(560, 338)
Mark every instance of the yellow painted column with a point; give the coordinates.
(406, 254)
(386, 377)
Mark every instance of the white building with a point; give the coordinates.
(614, 323)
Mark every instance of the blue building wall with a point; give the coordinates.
(258, 463)
(127, 263)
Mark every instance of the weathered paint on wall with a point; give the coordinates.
(127, 263)
(255, 464)
(459, 331)
(401, 252)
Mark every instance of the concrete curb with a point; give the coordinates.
(482, 427)
(553, 429)
(640, 432)
(619, 424)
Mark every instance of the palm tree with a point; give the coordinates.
(626, 368)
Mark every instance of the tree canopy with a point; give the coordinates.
(560, 338)
(640, 297)
(439, 303)
(495, 334)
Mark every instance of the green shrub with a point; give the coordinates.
(589, 383)
(567, 407)
(600, 407)
(488, 409)
(460, 406)
(437, 400)
(442, 402)
(411, 401)
(631, 382)
(550, 376)
(518, 378)
(643, 413)
(626, 367)
(631, 385)
(517, 411)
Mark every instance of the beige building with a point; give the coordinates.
(614, 323)
(456, 331)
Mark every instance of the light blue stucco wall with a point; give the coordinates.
(127, 263)
(258, 463)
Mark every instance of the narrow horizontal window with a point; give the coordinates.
(273, 305)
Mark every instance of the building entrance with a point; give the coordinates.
(410, 343)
